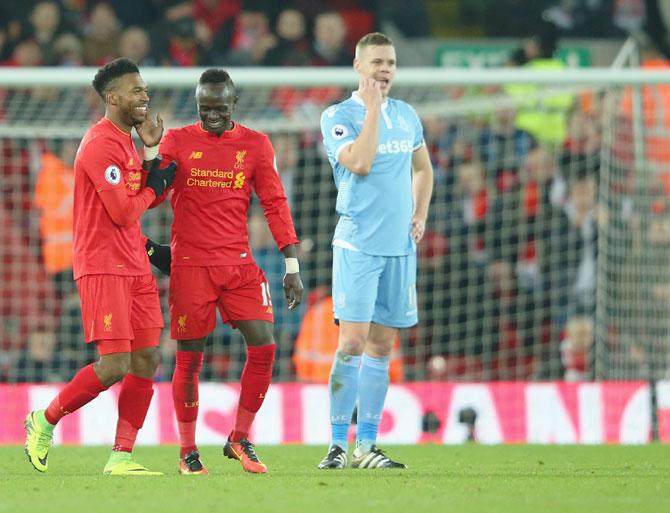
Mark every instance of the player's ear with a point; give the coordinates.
(110, 98)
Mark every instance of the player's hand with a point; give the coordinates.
(418, 228)
(150, 130)
(160, 179)
(160, 256)
(370, 92)
(293, 290)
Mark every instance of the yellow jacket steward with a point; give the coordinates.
(544, 116)
(54, 197)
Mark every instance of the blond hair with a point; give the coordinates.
(373, 39)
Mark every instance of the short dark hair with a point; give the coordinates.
(215, 76)
(106, 75)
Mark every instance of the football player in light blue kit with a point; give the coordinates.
(384, 178)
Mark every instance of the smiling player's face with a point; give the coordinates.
(379, 63)
(216, 103)
(131, 98)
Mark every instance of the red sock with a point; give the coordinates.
(255, 381)
(134, 401)
(83, 388)
(185, 382)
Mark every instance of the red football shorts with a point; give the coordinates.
(115, 307)
(240, 292)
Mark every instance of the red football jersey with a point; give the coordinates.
(212, 191)
(106, 160)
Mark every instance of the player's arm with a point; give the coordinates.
(273, 200)
(125, 210)
(293, 288)
(103, 165)
(150, 132)
(359, 156)
(167, 154)
(422, 190)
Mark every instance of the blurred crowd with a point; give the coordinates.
(182, 33)
(508, 282)
(288, 33)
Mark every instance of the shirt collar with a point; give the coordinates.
(357, 99)
(224, 135)
(111, 124)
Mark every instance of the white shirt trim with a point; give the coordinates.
(387, 119)
(357, 99)
(344, 244)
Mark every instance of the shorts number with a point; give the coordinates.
(265, 291)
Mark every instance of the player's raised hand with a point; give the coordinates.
(293, 290)
(150, 130)
(370, 92)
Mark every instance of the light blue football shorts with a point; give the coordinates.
(381, 289)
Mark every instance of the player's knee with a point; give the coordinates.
(351, 345)
(145, 361)
(379, 348)
(154, 359)
(256, 333)
(112, 368)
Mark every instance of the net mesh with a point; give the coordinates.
(633, 280)
(545, 254)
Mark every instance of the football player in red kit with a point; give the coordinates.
(220, 163)
(119, 299)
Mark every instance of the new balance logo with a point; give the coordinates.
(195, 155)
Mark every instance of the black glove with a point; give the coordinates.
(160, 179)
(159, 256)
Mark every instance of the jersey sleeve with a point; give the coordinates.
(168, 146)
(418, 129)
(272, 197)
(123, 209)
(103, 164)
(337, 130)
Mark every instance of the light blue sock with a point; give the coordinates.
(372, 387)
(342, 388)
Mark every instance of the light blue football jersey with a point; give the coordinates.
(375, 210)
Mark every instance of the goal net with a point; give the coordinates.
(546, 251)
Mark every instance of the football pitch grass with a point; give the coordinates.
(464, 478)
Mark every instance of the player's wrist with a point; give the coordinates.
(292, 265)
(150, 152)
